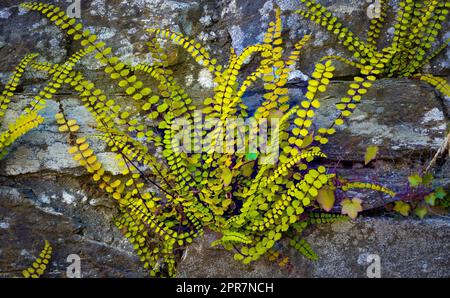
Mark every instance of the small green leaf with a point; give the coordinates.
(227, 176)
(440, 193)
(162, 107)
(402, 208)
(251, 156)
(430, 199)
(371, 153)
(351, 207)
(415, 180)
(420, 212)
(325, 198)
(427, 179)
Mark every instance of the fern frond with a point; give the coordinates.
(117, 189)
(40, 264)
(323, 218)
(18, 128)
(59, 75)
(276, 78)
(376, 24)
(323, 17)
(434, 54)
(114, 66)
(424, 29)
(439, 83)
(318, 84)
(298, 195)
(348, 104)
(283, 169)
(304, 248)
(343, 60)
(13, 82)
(233, 236)
(147, 68)
(371, 186)
(195, 49)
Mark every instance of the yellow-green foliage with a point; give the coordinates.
(439, 83)
(165, 203)
(372, 186)
(418, 23)
(40, 264)
(11, 86)
(21, 126)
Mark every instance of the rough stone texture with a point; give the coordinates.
(45, 195)
(407, 248)
(219, 24)
(27, 218)
(45, 148)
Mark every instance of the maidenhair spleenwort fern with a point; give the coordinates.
(40, 264)
(418, 23)
(252, 198)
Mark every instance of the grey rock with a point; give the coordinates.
(406, 248)
(22, 34)
(26, 221)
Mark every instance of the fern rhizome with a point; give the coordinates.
(253, 198)
(418, 23)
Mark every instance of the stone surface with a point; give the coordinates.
(219, 24)
(45, 195)
(406, 133)
(407, 248)
(70, 222)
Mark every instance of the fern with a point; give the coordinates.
(418, 24)
(253, 199)
(13, 82)
(371, 186)
(40, 264)
(437, 82)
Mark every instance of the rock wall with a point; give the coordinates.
(44, 195)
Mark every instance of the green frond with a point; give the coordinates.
(18, 128)
(233, 236)
(323, 17)
(377, 23)
(434, 54)
(343, 60)
(439, 83)
(348, 104)
(168, 195)
(195, 49)
(11, 86)
(371, 186)
(41, 263)
(304, 248)
(417, 26)
(114, 67)
(316, 218)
